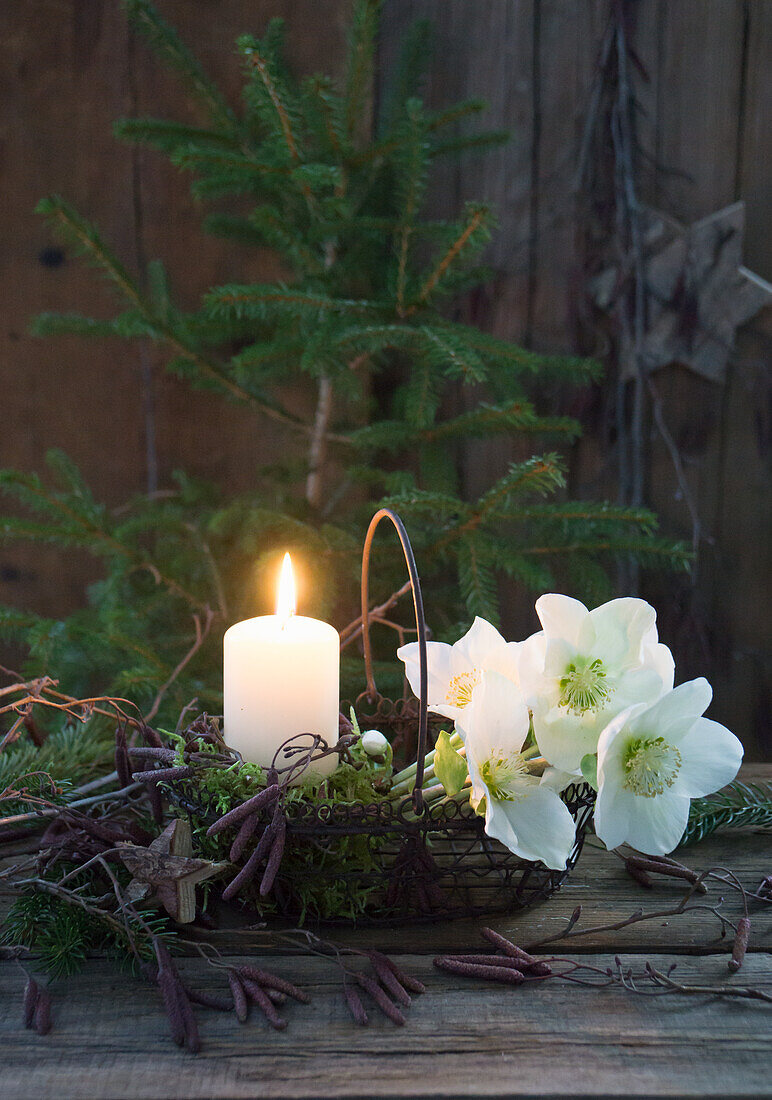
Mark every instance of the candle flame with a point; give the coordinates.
(285, 597)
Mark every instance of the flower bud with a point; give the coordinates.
(374, 743)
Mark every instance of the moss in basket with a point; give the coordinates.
(326, 878)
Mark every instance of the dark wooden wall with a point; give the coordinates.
(707, 120)
(70, 67)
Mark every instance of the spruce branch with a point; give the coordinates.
(476, 221)
(145, 18)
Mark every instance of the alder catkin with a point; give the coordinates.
(42, 1019)
(356, 1008)
(239, 997)
(238, 813)
(480, 970)
(273, 981)
(390, 982)
(740, 944)
(386, 1005)
(31, 994)
(407, 980)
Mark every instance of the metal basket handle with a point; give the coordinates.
(418, 606)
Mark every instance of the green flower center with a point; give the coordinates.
(584, 687)
(506, 776)
(650, 765)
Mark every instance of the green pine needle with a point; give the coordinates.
(740, 805)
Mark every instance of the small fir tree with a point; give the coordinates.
(363, 323)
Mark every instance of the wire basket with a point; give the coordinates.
(409, 860)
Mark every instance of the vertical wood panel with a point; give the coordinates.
(71, 68)
(64, 78)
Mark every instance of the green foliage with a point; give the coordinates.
(295, 169)
(68, 756)
(326, 880)
(740, 805)
(61, 934)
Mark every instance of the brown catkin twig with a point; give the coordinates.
(386, 1005)
(249, 870)
(273, 981)
(170, 993)
(356, 1008)
(480, 970)
(164, 775)
(42, 1019)
(507, 946)
(668, 867)
(151, 752)
(248, 827)
(156, 803)
(192, 1037)
(209, 1000)
(407, 980)
(122, 762)
(238, 813)
(274, 859)
(637, 873)
(740, 944)
(390, 982)
(240, 1003)
(260, 997)
(31, 994)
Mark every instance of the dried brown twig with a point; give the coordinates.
(515, 966)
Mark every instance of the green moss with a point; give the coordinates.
(324, 876)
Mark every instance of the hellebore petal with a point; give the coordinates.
(455, 671)
(652, 760)
(585, 667)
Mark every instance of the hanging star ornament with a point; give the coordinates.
(168, 870)
(698, 292)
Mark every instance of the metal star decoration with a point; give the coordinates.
(698, 292)
(168, 870)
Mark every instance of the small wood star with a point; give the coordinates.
(698, 292)
(167, 869)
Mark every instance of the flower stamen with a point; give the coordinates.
(650, 765)
(460, 688)
(506, 776)
(584, 687)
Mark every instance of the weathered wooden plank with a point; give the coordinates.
(701, 143)
(462, 1039)
(607, 895)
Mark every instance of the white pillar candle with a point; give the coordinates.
(281, 677)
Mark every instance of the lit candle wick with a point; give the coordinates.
(285, 597)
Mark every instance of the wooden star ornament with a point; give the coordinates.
(698, 292)
(167, 869)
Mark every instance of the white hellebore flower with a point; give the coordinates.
(374, 743)
(585, 667)
(652, 760)
(528, 817)
(455, 670)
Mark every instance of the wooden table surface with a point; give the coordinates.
(463, 1038)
